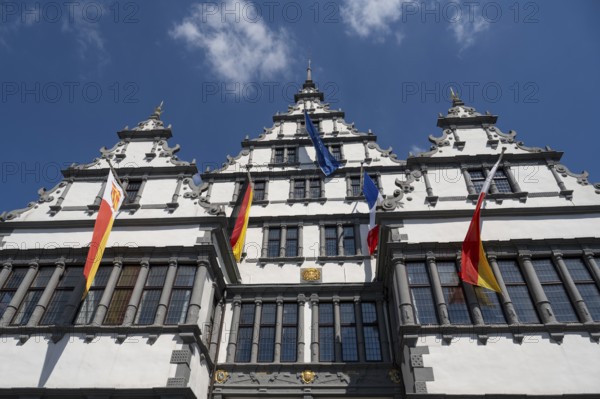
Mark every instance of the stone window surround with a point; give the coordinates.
(493, 191)
(285, 156)
(307, 198)
(264, 258)
(313, 303)
(238, 186)
(71, 309)
(258, 301)
(351, 175)
(340, 228)
(405, 308)
(132, 207)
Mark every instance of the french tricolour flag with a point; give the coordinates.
(374, 198)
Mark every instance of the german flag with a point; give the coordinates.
(109, 206)
(238, 221)
(474, 267)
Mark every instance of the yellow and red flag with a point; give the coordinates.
(239, 219)
(474, 267)
(109, 206)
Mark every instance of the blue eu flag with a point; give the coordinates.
(326, 161)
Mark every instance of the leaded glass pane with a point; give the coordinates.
(372, 346)
(326, 351)
(299, 188)
(326, 313)
(268, 314)
(315, 188)
(290, 313)
(279, 154)
(559, 300)
(424, 305)
(349, 241)
(447, 273)
(56, 306)
(457, 306)
(490, 307)
(545, 271)
(15, 279)
(331, 241)
(259, 191)
(43, 277)
(417, 273)
(185, 276)
(578, 269)
(274, 242)
(522, 303)
(355, 185)
(118, 306)
(349, 347)
(148, 307)
(266, 344)
(156, 276)
(71, 277)
(291, 242)
(510, 271)
(88, 307)
(288, 344)
(244, 345)
(591, 296)
(369, 312)
(347, 313)
(176, 313)
(27, 306)
(247, 314)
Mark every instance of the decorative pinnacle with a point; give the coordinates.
(456, 101)
(308, 72)
(157, 112)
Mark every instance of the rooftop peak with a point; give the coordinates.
(153, 122)
(456, 101)
(308, 83)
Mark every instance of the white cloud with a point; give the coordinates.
(237, 49)
(90, 42)
(467, 27)
(71, 17)
(371, 18)
(415, 149)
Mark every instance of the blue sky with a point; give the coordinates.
(72, 74)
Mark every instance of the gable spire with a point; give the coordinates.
(308, 83)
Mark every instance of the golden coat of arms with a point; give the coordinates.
(307, 376)
(311, 274)
(221, 376)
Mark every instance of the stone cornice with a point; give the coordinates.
(393, 217)
(483, 158)
(305, 140)
(151, 171)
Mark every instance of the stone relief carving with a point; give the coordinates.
(194, 194)
(405, 187)
(384, 153)
(44, 196)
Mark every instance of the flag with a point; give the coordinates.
(327, 162)
(239, 219)
(109, 206)
(374, 198)
(474, 267)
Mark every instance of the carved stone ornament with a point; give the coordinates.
(311, 274)
(307, 376)
(221, 376)
(395, 376)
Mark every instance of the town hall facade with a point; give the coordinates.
(307, 312)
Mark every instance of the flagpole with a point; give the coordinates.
(362, 172)
(114, 173)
